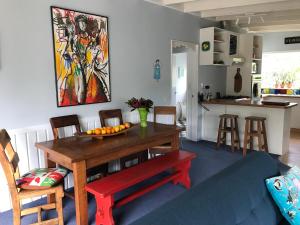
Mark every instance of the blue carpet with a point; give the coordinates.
(208, 162)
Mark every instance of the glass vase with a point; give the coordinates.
(143, 116)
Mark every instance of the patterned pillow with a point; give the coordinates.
(41, 178)
(285, 191)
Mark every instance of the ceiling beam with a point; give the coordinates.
(272, 23)
(260, 8)
(172, 2)
(266, 16)
(212, 5)
(274, 28)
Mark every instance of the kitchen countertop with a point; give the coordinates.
(281, 95)
(246, 102)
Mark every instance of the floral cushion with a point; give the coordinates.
(285, 191)
(41, 178)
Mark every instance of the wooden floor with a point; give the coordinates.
(293, 157)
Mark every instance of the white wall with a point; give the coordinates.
(275, 41)
(140, 32)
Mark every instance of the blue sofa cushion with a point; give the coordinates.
(285, 190)
(235, 196)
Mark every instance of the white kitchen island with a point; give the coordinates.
(278, 121)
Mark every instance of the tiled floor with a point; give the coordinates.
(293, 157)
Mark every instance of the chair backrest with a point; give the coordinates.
(165, 110)
(64, 121)
(9, 161)
(110, 114)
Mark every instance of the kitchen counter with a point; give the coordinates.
(278, 121)
(246, 102)
(280, 95)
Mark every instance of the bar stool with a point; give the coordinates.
(260, 133)
(233, 129)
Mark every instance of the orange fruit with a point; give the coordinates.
(117, 129)
(97, 131)
(127, 125)
(122, 127)
(108, 131)
(103, 131)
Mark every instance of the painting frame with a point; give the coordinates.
(108, 83)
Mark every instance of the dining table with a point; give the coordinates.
(78, 154)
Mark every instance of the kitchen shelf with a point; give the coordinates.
(219, 41)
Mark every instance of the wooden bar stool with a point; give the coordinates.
(260, 133)
(233, 129)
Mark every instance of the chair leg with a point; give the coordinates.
(237, 134)
(224, 133)
(265, 136)
(259, 133)
(143, 156)
(251, 132)
(219, 133)
(232, 134)
(246, 138)
(17, 212)
(59, 206)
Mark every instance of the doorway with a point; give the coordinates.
(184, 80)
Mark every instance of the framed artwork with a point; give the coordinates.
(81, 57)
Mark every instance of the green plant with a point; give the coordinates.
(290, 76)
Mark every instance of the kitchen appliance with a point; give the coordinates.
(256, 87)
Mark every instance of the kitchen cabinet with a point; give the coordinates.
(218, 46)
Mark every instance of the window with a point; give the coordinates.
(281, 70)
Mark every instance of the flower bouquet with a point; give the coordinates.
(143, 106)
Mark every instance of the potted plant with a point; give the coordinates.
(143, 106)
(290, 78)
(276, 79)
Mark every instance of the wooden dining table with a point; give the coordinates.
(79, 154)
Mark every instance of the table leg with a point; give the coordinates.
(175, 141)
(81, 205)
(50, 164)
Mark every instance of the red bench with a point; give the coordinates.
(104, 189)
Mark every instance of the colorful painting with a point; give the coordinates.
(81, 54)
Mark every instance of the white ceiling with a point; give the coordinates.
(255, 15)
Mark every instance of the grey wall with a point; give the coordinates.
(275, 41)
(140, 32)
(215, 77)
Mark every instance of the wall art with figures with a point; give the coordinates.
(81, 57)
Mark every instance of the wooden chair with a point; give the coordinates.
(9, 160)
(163, 110)
(72, 120)
(117, 113)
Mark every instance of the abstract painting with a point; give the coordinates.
(81, 57)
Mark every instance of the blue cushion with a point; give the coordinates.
(235, 196)
(285, 190)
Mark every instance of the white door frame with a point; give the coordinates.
(193, 122)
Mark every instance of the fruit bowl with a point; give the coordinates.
(100, 133)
